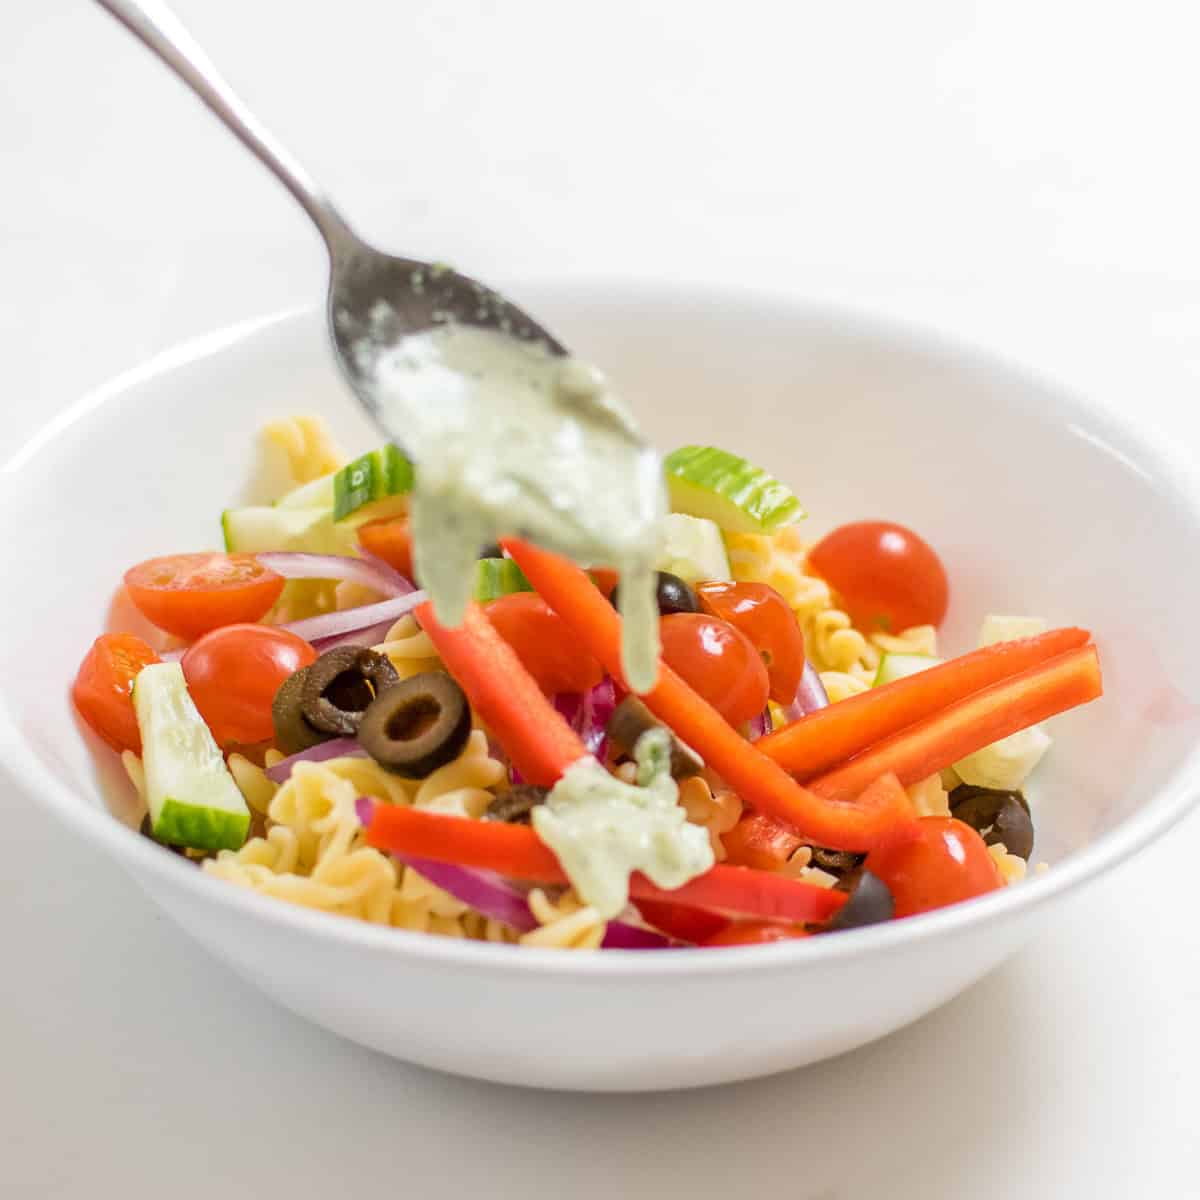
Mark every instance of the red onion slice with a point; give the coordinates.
(810, 695)
(760, 726)
(370, 572)
(354, 620)
(337, 748)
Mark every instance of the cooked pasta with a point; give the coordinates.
(408, 648)
(307, 445)
(718, 812)
(564, 924)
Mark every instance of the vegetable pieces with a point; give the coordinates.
(977, 721)
(832, 735)
(762, 783)
(516, 852)
(540, 744)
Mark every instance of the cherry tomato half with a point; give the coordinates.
(233, 674)
(104, 687)
(888, 577)
(934, 862)
(390, 540)
(755, 933)
(718, 661)
(191, 594)
(759, 841)
(762, 614)
(546, 647)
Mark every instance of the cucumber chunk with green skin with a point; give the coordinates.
(703, 481)
(375, 476)
(496, 577)
(192, 797)
(898, 666)
(693, 549)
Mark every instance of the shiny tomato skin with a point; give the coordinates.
(103, 688)
(755, 933)
(546, 647)
(762, 614)
(233, 674)
(888, 577)
(685, 924)
(390, 540)
(934, 862)
(190, 595)
(718, 661)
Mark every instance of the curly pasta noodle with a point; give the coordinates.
(718, 812)
(307, 445)
(408, 648)
(314, 853)
(564, 924)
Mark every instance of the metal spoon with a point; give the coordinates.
(375, 299)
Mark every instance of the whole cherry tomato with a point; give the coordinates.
(233, 674)
(934, 862)
(191, 594)
(888, 577)
(762, 614)
(546, 647)
(718, 661)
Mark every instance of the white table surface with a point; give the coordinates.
(1023, 175)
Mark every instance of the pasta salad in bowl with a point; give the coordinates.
(878, 749)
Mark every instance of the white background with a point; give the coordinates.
(1022, 174)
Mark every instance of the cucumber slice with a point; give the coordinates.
(897, 666)
(496, 577)
(193, 798)
(693, 549)
(703, 481)
(375, 476)
(316, 494)
(1005, 764)
(1009, 629)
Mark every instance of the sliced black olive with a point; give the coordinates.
(417, 726)
(341, 684)
(293, 733)
(836, 862)
(491, 550)
(632, 718)
(870, 903)
(671, 592)
(998, 815)
(516, 805)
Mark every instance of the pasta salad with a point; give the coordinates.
(300, 723)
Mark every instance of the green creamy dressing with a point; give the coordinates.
(511, 439)
(602, 829)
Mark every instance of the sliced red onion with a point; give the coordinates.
(337, 748)
(483, 891)
(370, 572)
(810, 695)
(371, 636)
(760, 726)
(589, 713)
(500, 900)
(355, 620)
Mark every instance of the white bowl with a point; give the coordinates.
(1038, 503)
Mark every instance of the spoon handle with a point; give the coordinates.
(156, 25)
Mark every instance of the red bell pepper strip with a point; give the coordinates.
(516, 852)
(857, 824)
(540, 744)
(979, 720)
(831, 735)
